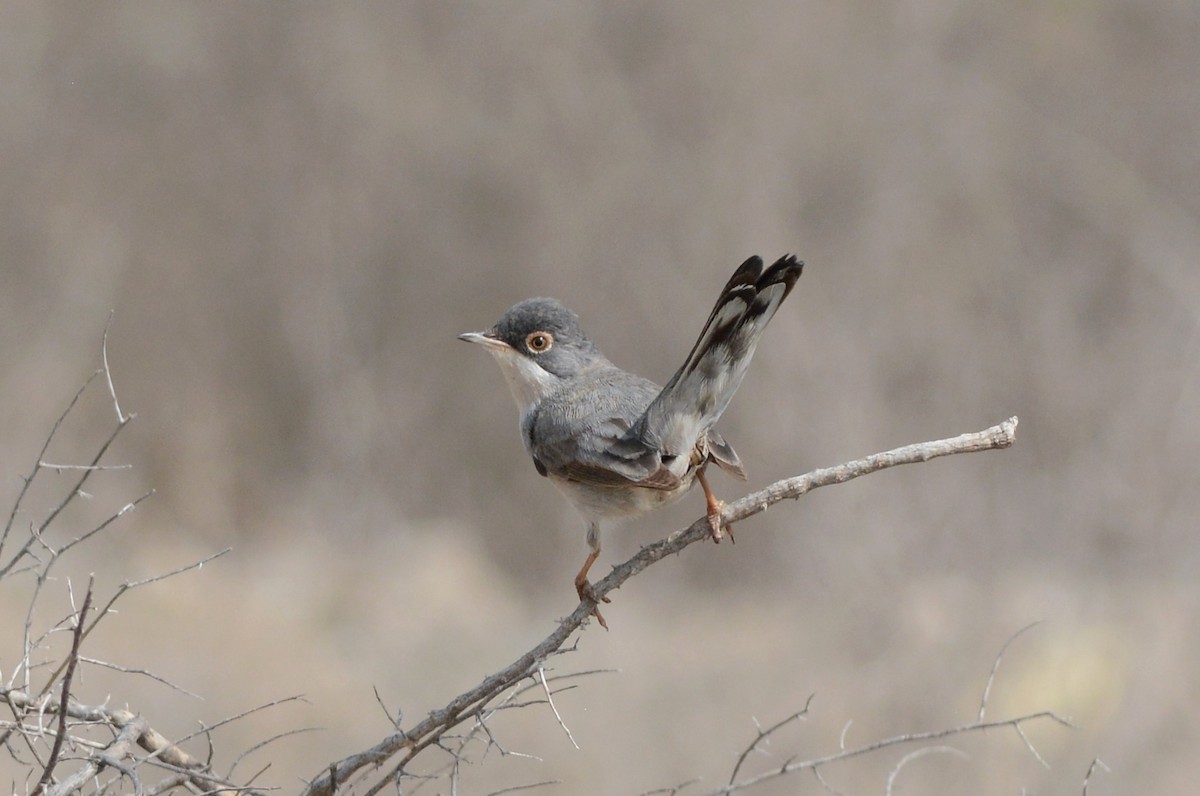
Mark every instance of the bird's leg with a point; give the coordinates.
(583, 586)
(714, 510)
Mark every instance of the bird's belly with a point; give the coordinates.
(605, 503)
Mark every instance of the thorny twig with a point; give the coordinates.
(72, 662)
(793, 765)
(764, 735)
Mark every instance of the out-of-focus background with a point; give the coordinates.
(293, 210)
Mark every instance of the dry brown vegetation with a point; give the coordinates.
(293, 211)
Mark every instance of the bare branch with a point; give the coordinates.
(132, 731)
(765, 735)
(134, 670)
(128, 507)
(178, 571)
(266, 742)
(815, 764)
(56, 728)
(913, 755)
(816, 770)
(1032, 749)
(530, 786)
(1087, 779)
(492, 741)
(896, 740)
(52, 466)
(128, 586)
(987, 688)
(72, 661)
(27, 480)
(671, 791)
(396, 720)
(845, 732)
(74, 492)
(542, 676)
(121, 747)
(408, 744)
(242, 715)
(112, 391)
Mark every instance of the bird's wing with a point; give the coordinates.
(581, 433)
(701, 389)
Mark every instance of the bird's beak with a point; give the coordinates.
(486, 339)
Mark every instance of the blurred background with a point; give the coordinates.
(293, 210)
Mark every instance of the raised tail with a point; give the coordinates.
(701, 389)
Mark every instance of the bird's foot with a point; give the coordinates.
(587, 593)
(715, 507)
(715, 528)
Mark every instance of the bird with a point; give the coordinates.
(616, 444)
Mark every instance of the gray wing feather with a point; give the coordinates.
(582, 432)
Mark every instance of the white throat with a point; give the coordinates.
(527, 381)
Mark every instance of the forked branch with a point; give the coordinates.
(398, 749)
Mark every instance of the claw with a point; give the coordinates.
(715, 528)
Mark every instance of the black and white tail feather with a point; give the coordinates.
(699, 392)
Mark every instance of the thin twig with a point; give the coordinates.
(128, 507)
(167, 784)
(896, 740)
(134, 670)
(530, 786)
(765, 734)
(53, 466)
(913, 755)
(112, 391)
(493, 741)
(1032, 749)
(242, 715)
(74, 492)
(133, 584)
(265, 742)
(129, 586)
(542, 676)
(27, 480)
(1087, 779)
(48, 771)
(671, 791)
(395, 721)
(816, 770)
(987, 688)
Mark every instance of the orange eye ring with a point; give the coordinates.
(539, 342)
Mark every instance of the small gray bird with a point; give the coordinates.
(618, 445)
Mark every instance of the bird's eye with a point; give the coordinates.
(537, 342)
